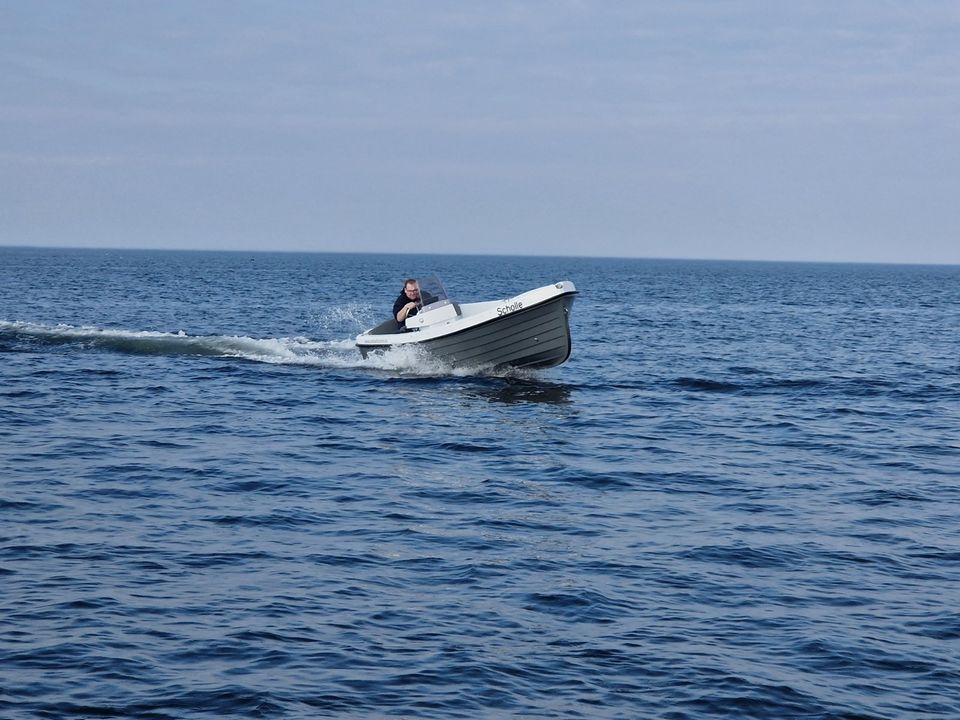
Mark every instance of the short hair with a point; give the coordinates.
(409, 281)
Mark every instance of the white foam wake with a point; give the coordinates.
(282, 351)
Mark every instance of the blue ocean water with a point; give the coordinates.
(739, 498)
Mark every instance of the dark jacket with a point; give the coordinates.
(398, 306)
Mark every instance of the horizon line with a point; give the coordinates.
(127, 248)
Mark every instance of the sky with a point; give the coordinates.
(734, 129)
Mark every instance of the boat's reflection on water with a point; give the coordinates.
(522, 390)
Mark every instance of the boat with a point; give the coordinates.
(529, 330)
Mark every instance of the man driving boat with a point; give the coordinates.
(407, 303)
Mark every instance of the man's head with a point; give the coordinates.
(411, 289)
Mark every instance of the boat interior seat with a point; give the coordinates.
(387, 327)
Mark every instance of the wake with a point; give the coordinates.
(282, 351)
(278, 351)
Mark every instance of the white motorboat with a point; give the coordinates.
(530, 330)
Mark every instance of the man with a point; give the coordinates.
(406, 304)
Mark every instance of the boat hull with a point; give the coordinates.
(535, 337)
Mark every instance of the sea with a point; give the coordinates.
(739, 498)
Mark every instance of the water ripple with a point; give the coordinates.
(743, 504)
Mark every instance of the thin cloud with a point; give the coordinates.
(543, 121)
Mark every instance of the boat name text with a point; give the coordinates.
(518, 305)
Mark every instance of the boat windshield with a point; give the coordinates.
(432, 293)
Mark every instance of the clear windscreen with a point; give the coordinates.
(432, 293)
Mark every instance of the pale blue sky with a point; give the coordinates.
(731, 129)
